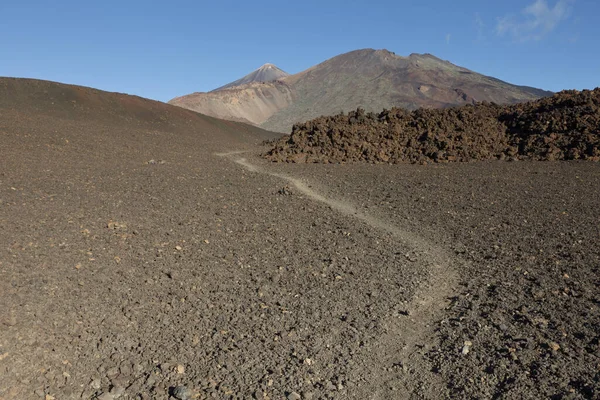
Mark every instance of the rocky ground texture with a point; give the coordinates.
(523, 319)
(565, 126)
(147, 252)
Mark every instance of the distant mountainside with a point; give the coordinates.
(371, 79)
(266, 73)
(26, 100)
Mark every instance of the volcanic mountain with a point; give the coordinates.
(371, 79)
(266, 73)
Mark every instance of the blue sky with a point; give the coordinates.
(173, 48)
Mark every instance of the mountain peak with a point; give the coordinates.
(266, 73)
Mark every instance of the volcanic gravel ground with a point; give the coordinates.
(523, 322)
(147, 252)
(138, 264)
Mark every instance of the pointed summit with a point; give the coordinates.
(266, 73)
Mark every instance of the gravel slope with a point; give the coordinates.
(138, 264)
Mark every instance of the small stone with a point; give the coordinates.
(125, 369)
(112, 372)
(259, 395)
(48, 397)
(466, 348)
(330, 386)
(96, 383)
(180, 369)
(308, 395)
(410, 257)
(182, 393)
(294, 396)
(285, 191)
(166, 367)
(554, 346)
(151, 380)
(117, 391)
(179, 248)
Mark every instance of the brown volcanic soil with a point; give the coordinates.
(528, 297)
(136, 261)
(565, 126)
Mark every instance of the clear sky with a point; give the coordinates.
(165, 49)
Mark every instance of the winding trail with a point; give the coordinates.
(405, 336)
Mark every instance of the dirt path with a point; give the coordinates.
(413, 331)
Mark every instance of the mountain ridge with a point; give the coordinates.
(367, 78)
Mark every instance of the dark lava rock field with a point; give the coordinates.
(565, 126)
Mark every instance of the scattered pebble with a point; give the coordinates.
(117, 391)
(182, 393)
(410, 257)
(308, 395)
(466, 348)
(285, 191)
(294, 396)
(112, 372)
